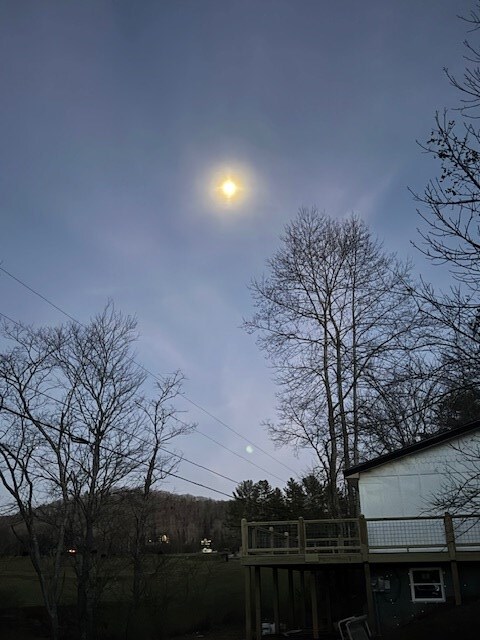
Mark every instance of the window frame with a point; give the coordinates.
(440, 583)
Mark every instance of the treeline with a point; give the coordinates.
(177, 523)
(306, 497)
(174, 524)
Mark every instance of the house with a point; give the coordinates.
(402, 557)
(409, 481)
(434, 556)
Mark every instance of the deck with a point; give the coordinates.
(309, 547)
(360, 540)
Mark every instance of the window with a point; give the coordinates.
(426, 585)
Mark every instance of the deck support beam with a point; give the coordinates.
(303, 599)
(258, 603)
(370, 601)
(452, 552)
(276, 601)
(291, 600)
(314, 604)
(248, 603)
(457, 591)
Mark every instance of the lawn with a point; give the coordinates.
(184, 594)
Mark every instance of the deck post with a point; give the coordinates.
(301, 535)
(314, 599)
(370, 602)
(248, 603)
(363, 536)
(244, 537)
(276, 601)
(258, 603)
(291, 599)
(457, 592)
(452, 552)
(328, 601)
(303, 596)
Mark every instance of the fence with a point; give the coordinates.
(361, 535)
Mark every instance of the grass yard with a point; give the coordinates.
(184, 594)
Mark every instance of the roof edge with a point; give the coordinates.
(431, 441)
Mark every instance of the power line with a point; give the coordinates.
(156, 377)
(196, 464)
(84, 441)
(52, 304)
(138, 438)
(404, 419)
(237, 433)
(182, 422)
(240, 456)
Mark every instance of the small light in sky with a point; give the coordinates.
(249, 448)
(229, 188)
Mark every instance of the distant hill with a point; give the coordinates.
(176, 524)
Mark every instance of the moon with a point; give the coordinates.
(229, 188)
(249, 448)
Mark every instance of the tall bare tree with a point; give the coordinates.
(161, 427)
(76, 427)
(449, 208)
(332, 315)
(402, 406)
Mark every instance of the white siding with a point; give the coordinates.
(406, 486)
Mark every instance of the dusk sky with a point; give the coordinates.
(118, 122)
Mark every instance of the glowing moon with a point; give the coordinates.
(229, 188)
(249, 448)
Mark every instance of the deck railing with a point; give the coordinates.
(362, 536)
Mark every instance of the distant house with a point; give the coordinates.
(402, 558)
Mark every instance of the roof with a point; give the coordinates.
(432, 441)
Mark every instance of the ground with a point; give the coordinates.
(218, 633)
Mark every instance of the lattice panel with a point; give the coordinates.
(466, 530)
(406, 533)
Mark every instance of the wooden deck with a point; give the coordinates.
(360, 540)
(310, 548)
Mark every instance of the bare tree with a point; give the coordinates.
(401, 407)
(75, 428)
(161, 427)
(34, 451)
(332, 314)
(449, 208)
(460, 491)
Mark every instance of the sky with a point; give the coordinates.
(118, 121)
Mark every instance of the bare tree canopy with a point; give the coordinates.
(449, 208)
(75, 427)
(450, 203)
(334, 315)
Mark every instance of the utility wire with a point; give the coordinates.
(239, 455)
(52, 304)
(182, 422)
(196, 464)
(84, 441)
(412, 414)
(156, 377)
(137, 437)
(237, 433)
